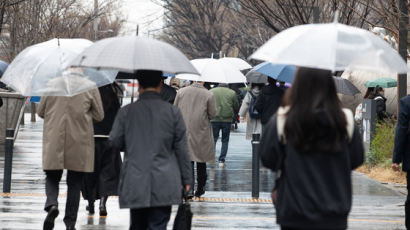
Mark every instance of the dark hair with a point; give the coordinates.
(378, 89)
(149, 78)
(369, 93)
(260, 85)
(315, 120)
(271, 81)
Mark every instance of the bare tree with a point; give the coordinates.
(199, 27)
(33, 21)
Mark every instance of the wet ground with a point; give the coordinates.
(227, 204)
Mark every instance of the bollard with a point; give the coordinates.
(8, 160)
(255, 165)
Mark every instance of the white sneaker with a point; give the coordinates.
(222, 165)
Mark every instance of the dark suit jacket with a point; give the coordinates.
(401, 140)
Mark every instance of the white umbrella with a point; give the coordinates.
(236, 62)
(213, 70)
(132, 53)
(331, 46)
(36, 70)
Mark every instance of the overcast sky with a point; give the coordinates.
(146, 13)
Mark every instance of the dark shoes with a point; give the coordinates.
(199, 192)
(51, 216)
(70, 228)
(90, 207)
(103, 208)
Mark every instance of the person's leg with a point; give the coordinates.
(407, 204)
(158, 218)
(226, 130)
(201, 172)
(74, 180)
(53, 178)
(215, 131)
(138, 219)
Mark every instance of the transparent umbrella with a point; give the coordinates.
(331, 46)
(236, 62)
(41, 70)
(213, 70)
(130, 53)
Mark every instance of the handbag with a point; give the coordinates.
(183, 219)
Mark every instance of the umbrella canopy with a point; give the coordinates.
(39, 69)
(256, 77)
(382, 82)
(236, 62)
(213, 70)
(3, 67)
(132, 53)
(344, 86)
(280, 72)
(331, 46)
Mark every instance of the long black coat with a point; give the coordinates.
(168, 93)
(156, 163)
(268, 102)
(107, 164)
(401, 140)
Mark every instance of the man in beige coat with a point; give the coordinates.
(198, 107)
(68, 143)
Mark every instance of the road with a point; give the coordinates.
(227, 204)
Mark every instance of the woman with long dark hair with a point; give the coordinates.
(313, 144)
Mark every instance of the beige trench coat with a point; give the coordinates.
(198, 107)
(68, 141)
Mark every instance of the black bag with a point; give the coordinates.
(253, 113)
(183, 219)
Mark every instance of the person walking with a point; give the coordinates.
(68, 143)
(269, 101)
(253, 121)
(156, 166)
(314, 190)
(198, 107)
(226, 104)
(168, 93)
(103, 182)
(380, 103)
(401, 152)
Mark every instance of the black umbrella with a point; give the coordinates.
(344, 86)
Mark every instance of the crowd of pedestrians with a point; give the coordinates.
(169, 135)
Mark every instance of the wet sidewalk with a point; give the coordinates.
(227, 204)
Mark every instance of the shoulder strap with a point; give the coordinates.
(281, 120)
(253, 96)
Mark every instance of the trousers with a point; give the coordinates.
(226, 130)
(154, 218)
(74, 180)
(200, 175)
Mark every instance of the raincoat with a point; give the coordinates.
(252, 125)
(68, 141)
(198, 107)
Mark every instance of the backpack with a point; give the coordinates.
(252, 111)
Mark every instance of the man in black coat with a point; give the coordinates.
(156, 166)
(168, 93)
(402, 148)
(269, 101)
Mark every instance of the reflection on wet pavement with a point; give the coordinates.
(227, 202)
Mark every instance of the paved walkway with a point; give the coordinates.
(227, 204)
